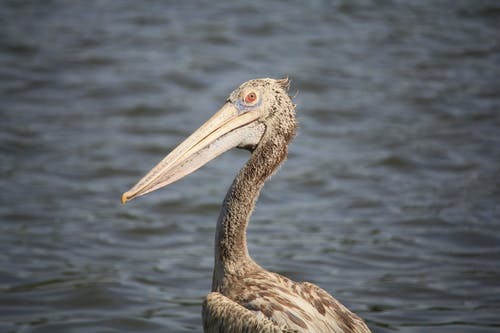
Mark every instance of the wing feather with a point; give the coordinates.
(220, 314)
(301, 306)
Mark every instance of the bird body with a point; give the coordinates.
(277, 304)
(260, 117)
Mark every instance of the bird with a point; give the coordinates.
(258, 116)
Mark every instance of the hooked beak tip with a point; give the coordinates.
(125, 198)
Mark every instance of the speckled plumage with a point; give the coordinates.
(245, 297)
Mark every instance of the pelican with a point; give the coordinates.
(258, 116)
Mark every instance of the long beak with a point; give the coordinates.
(224, 130)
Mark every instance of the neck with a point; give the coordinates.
(231, 252)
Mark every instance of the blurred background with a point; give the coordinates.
(389, 199)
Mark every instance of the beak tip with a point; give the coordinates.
(125, 198)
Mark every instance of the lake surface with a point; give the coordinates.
(389, 199)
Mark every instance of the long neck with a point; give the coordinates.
(231, 252)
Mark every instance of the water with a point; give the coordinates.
(389, 199)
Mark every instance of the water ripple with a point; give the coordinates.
(388, 199)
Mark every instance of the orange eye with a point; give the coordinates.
(250, 98)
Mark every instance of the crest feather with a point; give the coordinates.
(284, 82)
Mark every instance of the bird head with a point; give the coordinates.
(256, 109)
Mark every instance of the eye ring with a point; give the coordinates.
(250, 98)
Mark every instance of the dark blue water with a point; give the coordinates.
(389, 199)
